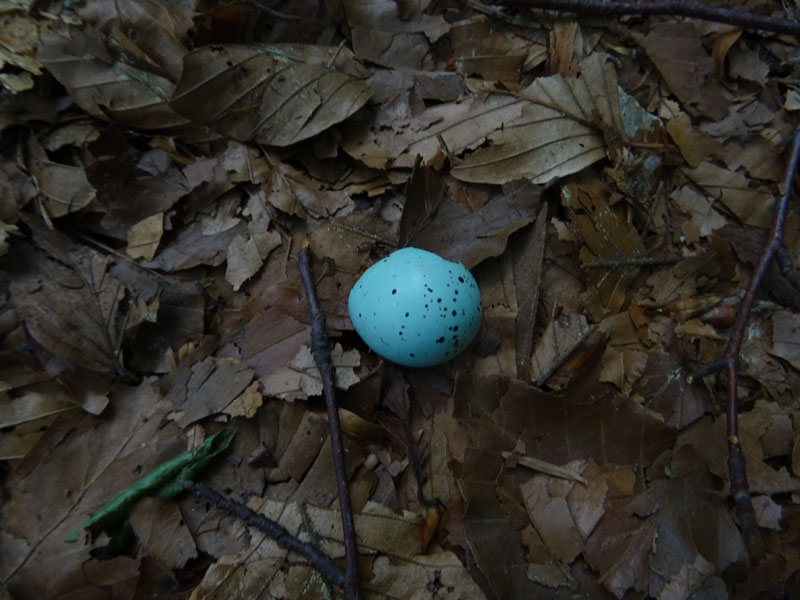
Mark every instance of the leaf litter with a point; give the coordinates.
(162, 167)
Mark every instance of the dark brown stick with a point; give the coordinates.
(633, 262)
(322, 356)
(329, 569)
(680, 8)
(736, 465)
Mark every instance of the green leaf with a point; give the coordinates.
(161, 482)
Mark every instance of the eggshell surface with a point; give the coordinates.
(415, 308)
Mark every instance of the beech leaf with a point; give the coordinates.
(273, 94)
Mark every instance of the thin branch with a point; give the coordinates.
(706, 370)
(679, 8)
(739, 487)
(633, 262)
(322, 356)
(327, 567)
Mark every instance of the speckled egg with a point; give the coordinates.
(416, 308)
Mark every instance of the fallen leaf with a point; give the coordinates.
(558, 132)
(89, 469)
(785, 327)
(688, 74)
(612, 246)
(65, 187)
(144, 237)
(273, 94)
(105, 86)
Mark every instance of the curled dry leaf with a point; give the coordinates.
(273, 94)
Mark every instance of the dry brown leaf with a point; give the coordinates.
(623, 367)
(786, 337)
(89, 462)
(246, 404)
(695, 146)
(455, 231)
(159, 31)
(246, 255)
(495, 55)
(460, 125)
(65, 188)
(689, 74)
(86, 326)
(308, 377)
(762, 478)
(559, 131)
(692, 523)
(398, 571)
(144, 237)
(609, 240)
(527, 248)
(18, 50)
(664, 387)
(384, 33)
(703, 218)
(104, 85)
(561, 336)
(212, 386)
(562, 48)
(752, 206)
(276, 95)
(160, 529)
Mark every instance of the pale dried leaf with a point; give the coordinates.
(144, 237)
(559, 131)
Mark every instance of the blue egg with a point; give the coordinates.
(416, 308)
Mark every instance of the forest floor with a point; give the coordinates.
(610, 182)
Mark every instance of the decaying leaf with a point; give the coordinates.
(104, 85)
(89, 469)
(559, 131)
(276, 95)
(611, 247)
(454, 231)
(64, 187)
(87, 325)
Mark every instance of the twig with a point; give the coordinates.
(322, 356)
(736, 464)
(634, 262)
(327, 567)
(706, 370)
(736, 467)
(680, 8)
